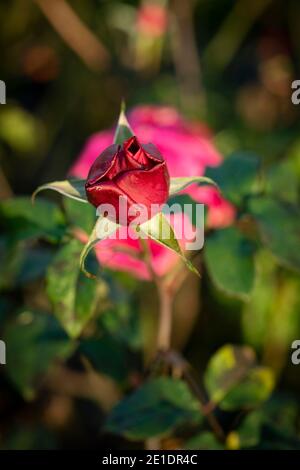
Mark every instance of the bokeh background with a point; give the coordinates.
(67, 66)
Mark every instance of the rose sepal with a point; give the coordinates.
(73, 188)
(178, 184)
(155, 228)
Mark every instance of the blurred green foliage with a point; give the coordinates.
(93, 333)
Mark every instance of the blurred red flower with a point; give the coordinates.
(152, 19)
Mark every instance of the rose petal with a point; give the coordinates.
(103, 165)
(135, 153)
(107, 193)
(146, 186)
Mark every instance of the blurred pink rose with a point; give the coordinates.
(152, 19)
(188, 149)
(126, 254)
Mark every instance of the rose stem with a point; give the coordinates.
(5, 189)
(164, 340)
(75, 33)
(165, 320)
(175, 359)
(165, 303)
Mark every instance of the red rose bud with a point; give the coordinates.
(134, 171)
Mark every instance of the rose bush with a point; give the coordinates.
(188, 149)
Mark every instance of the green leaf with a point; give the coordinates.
(256, 313)
(275, 301)
(11, 259)
(20, 264)
(248, 433)
(204, 441)
(102, 229)
(275, 439)
(252, 391)
(281, 181)
(122, 321)
(236, 176)
(73, 188)
(272, 426)
(83, 217)
(259, 430)
(74, 297)
(107, 355)
(157, 408)
(21, 220)
(184, 201)
(33, 342)
(179, 183)
(282, 411)
(115, 349)
(29, 436)
(34, 265)
(159, 229)
(123, 130)
(229, 258)
(228, 366)
(279, 227)
(233, 380)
